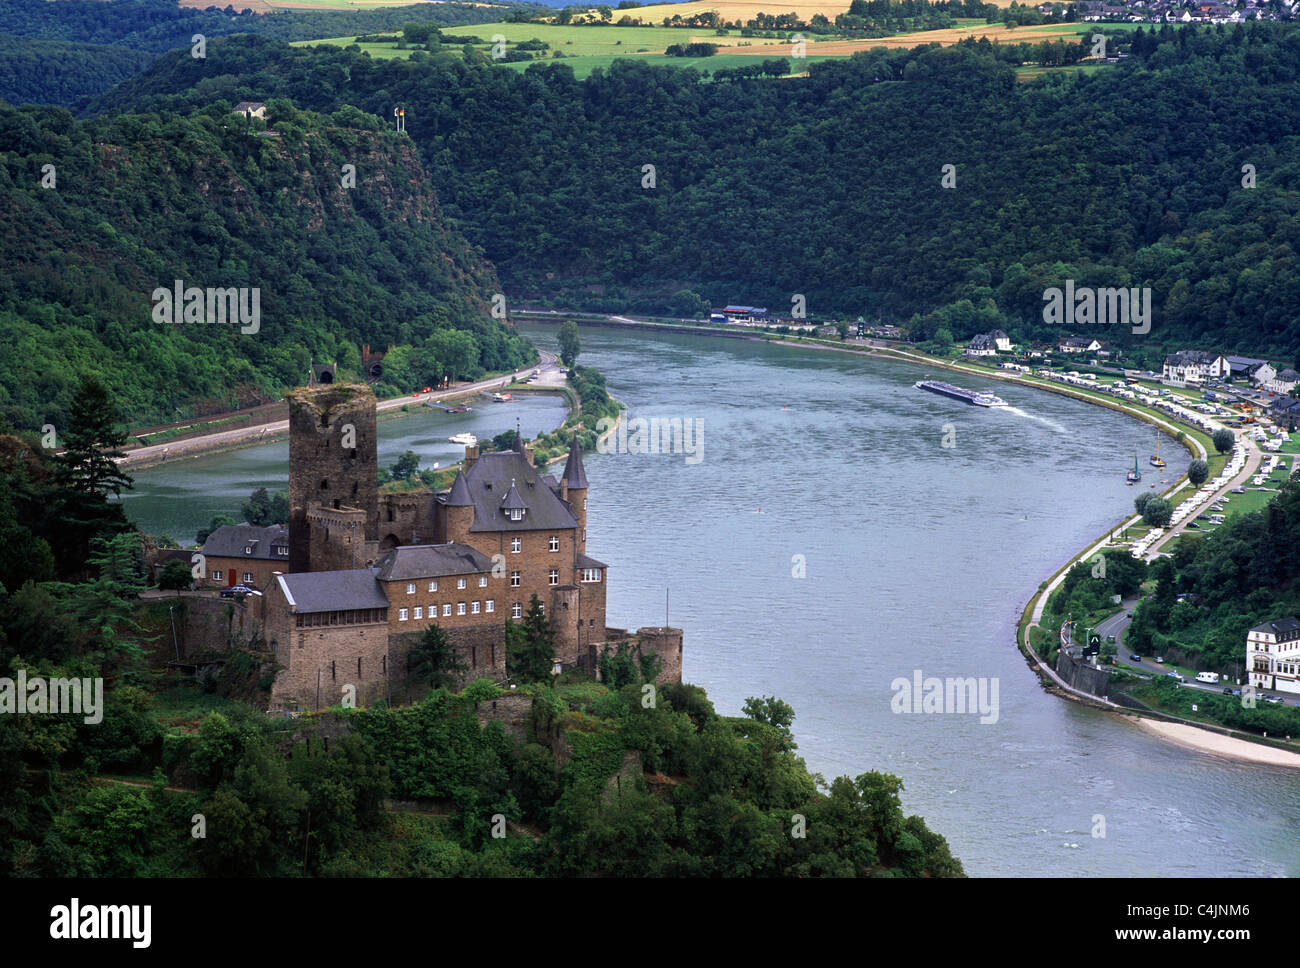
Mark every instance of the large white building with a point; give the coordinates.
(1193, 366)
(1273, 655)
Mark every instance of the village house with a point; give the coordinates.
(1273, 655)
(250, 109)
(1193, 366)
(982, 345)
(244, 554)
(1079, 344)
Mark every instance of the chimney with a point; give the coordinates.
(528, 452)
(471, 455)
(564, 489)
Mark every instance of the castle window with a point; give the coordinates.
(460, 582)
(332, 670)
(390, 514)
(591, 574)
(383, 664)
(446, 609)
(591, 623)
(460, 608)
(433, 586)
(516, 610)
(358, 666)
(216, 575)
(473, 608)
(410, 588)
(554, 577)
(514, 579)
(482, 581)
(283, 551)
(419, 612)
(248, 577)
(324, 484)
(401, 615)
(491, 605)
(516, 545)
(473, 657)
(516, 514)
(554, 544)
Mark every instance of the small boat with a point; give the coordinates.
(1156, 459)
(1134, 475)
(469, 440)
(501, 397)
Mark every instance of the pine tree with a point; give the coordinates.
(433, 659)
(530, 645)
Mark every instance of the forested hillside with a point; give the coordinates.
(98, 214)
(55, 72)
(830, 186)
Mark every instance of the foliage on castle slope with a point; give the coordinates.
(1245, 572)
(830, 185)
(139, 201)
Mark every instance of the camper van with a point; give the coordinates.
(1207, 677)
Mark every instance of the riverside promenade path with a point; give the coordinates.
(550, 377)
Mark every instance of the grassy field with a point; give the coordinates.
(584, 48)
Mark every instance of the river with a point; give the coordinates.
(915, 555)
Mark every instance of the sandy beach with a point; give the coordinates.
(1218, 744)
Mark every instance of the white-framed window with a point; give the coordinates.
(516, 610)
(401, 615)
(516, 545)
(553, 544)
(419, 612)
(410, 588)
(248, 577)
(217, 575)
(514, 579)
(446, 609)
(473, 608)
(460, 582)
(554, 577)
(541, 607)
(433, 586)
(591, 574)
(460, 608)
(248, 549)
(516, 514)
(282, 551)
(482, 581)
(491, 605)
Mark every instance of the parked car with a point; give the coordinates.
(1110, 638)
(1227, 692)
(1174, 675)
(234, 590)
(1160, 659)
(1135, 657)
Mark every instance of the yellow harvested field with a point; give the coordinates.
(743, 10)
(996, 33)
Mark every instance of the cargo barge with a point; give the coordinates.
(977, 397)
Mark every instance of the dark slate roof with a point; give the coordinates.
(230, 540)
(513, 501)
(458, 497)
(586, 561)
(574, 472)
(431, 561)
(1239, 363)
(489, 478)
(1280, 626)
(1288, 375)
(982, 341)
(328, 591)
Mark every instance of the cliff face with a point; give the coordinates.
(331, 220)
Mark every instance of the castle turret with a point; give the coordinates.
(574, 484)
(459, 510)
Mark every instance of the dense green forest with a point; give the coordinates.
(1217, 587)
(56, 72)
(829, 186)
(135, 202)
(614, 779)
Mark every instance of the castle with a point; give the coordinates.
(367, 573)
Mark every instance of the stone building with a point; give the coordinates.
(244, 554)
(367, 574)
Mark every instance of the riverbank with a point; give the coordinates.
(1193, 737)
